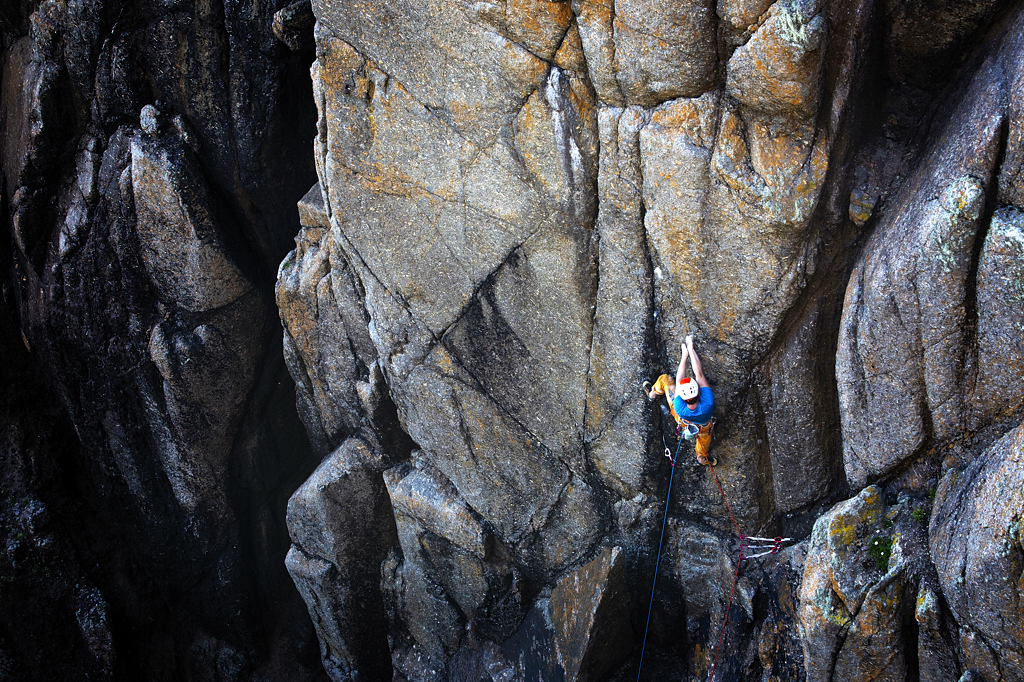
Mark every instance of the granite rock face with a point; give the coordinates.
(835, 578)
(905, 334)
(868, 588)
(975, 539)
(506, 216)
(338, 572)
(590, 613)
(531, 230)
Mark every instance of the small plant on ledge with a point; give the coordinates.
(880, 548)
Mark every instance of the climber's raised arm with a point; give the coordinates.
(681, 372)
(698, 370)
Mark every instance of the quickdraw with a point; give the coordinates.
(772, 548)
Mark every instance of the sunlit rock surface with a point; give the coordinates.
(417, 446)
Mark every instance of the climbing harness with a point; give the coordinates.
(763, 547)
(690, 430)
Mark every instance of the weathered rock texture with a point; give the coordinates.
(509, 215)
(590, 613)
(337, 571)
(921, 315)
(975, 536)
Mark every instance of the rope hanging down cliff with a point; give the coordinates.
(753, 542)
(657, 561)
(768, 545)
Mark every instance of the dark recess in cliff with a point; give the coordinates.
(123, 562)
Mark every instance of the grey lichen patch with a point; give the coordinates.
(799, 27)
(831, 606)
(1006, 237)
(961, 202)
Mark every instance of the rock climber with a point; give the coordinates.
(690, 401)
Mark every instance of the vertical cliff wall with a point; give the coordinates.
(509, 215)
(521, 210)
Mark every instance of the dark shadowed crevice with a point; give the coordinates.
(613, 56)
(762, 448)
(991, 205)
(396, 441)
(910, 631)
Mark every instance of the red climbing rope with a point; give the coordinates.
(727, 507)
(769, 545)
(775, 546)
(735, 575)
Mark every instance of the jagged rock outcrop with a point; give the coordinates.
(867, 587)
(590, 614)
(975, 537)
(507, 215)
(568, 197)
(853, 606)
(342, 528)
(836, 578)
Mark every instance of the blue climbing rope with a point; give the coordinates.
(766, 545)
(668, 497)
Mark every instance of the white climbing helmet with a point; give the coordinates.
(688, 389)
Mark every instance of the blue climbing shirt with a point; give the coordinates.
(705, 406)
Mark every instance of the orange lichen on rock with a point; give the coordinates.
(539, 25)
(778, 70)
(775, 177)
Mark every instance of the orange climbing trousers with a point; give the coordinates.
(661, 387)
(704, 435)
